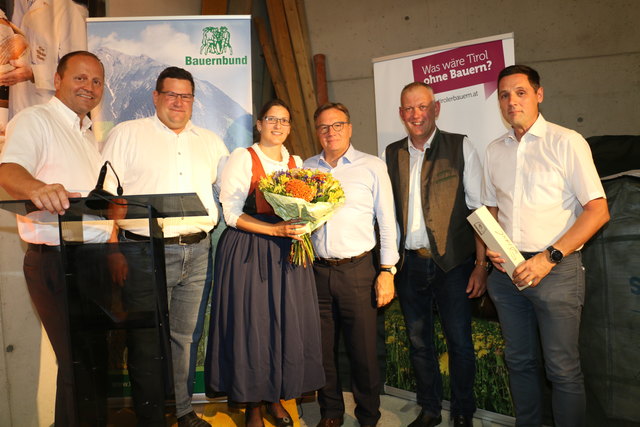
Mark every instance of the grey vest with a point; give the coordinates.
(443, 203)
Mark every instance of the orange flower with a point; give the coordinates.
(299, 189)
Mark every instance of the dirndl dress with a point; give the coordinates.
(264, 332)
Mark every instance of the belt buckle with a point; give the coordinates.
(423, 252)
(180, 242)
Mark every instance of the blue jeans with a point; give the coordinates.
(548, 314)
(419, 284)
(189, 274)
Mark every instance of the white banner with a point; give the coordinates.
(215, 49)
(464, 78)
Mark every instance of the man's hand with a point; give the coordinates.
(52, 197)
(21, 73)
(118, 267)
(533, 270)
(477, 281)
(385, 291)
(496, 259)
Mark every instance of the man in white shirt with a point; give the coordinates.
(436, 178)
(163, 154)
(351, 282)
(51, 155)
(542, 186)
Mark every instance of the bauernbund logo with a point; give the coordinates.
(216, 41)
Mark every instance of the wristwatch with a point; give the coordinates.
(393, 270)
(487, 265)
(555, 255)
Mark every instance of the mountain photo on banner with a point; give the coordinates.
(215, 50)
(130, 81)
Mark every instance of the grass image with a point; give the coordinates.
(491, 387)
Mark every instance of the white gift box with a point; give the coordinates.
(496, 239)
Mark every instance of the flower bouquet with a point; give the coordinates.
(308, 195)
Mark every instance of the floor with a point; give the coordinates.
(396, 412)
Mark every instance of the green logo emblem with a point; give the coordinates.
(216, 41)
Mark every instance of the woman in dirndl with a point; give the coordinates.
(264, 335)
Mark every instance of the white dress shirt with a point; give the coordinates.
(472, 181)
(236, 178)
(540, 183)
(150, 158)
(48, 142)
(368, 197)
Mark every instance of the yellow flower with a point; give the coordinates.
(444, 363)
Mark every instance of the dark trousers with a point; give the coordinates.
(45, 280)
(346, 299)
(548, 314)
(419, 284)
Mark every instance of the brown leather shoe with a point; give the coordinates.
(330, 422)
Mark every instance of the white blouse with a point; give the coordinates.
(236, 179)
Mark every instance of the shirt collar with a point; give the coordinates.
(347, 157)
(283, 151)
(188, 128)
(70, 116)
(537, 129)
(427, 145)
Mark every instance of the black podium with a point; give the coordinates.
(118, 327)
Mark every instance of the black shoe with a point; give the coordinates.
(192, 420)
(285, 421)
(252, 409)
(462, 421)
(330, 422)
(426, 419)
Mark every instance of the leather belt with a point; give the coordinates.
(340, 261)
(43, 248)
(184, 239)
(421, 252)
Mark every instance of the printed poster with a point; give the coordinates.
(464, 79)
(215, 49)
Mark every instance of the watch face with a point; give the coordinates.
(555, 255)
(391, 270)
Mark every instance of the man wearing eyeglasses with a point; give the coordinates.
(436, 178)
(161, 154)
(352, 282)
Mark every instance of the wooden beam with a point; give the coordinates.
(303, 64)
(240, 7)
(282, 42)
(214, 7)
(319, 62)
(295, 143)
(304, 24)
(271, 60)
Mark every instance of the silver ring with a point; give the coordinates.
(530, 282)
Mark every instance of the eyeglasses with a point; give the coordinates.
(185, 97)
(337, 126)
(421, 108)
(272, 120)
